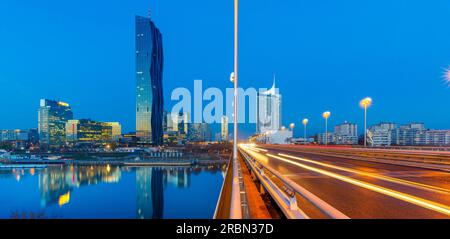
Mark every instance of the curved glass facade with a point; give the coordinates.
(149, 75)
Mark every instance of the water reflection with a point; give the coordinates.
(150, 201)
(56, 183)
(59, 191)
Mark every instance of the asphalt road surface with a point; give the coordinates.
(361, 189)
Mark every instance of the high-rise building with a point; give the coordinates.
(346, 133)
(268, 110)
(149, 76)
(224, 129)
(52, 119)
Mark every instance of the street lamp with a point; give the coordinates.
(365, 103)
(292, 125)
(234, 76)
(235, 207)
(326, 115)
(305, 123)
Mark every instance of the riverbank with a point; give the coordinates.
(188, 161)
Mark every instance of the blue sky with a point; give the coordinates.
(327, 55)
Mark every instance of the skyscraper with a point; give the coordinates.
(268, 110)
(224, 129)
(52, 118)
(149, 75)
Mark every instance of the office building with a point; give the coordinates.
(346, 133)
(415, 134)
(89, 131)
(281, 136)
(436, 138)
(19, 139)
(149, 77)
(176, 128)
(199, 132)
(268, 110)
(380, 134)
(116, 130)
(410, 134)
(224, 129)
(323, 138)
(52, 119)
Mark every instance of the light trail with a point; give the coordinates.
(437, 207)
(385, 178)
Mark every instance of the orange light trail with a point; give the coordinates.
(389, 192)
(385, 178)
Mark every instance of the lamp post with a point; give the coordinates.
(235, 78)
(291, 126)
(326, 115)
(365, 103)
(236, 209)
(305, 123)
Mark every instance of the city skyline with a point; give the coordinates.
(224, 110)
(336, 87)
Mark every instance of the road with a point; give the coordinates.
(361, 189)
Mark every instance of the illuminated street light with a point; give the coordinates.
(292, 125)
(365, 103)
(305, 123)
(232, 77)
(326, 115)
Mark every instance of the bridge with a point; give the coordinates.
(314, 182)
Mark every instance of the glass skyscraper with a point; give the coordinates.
(268, 110)
(149, 75)
(52, 119)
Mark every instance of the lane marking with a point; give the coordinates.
(385, 178)
(437, 207)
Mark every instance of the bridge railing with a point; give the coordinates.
(284, 191)
(232, 203)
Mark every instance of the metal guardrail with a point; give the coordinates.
(285, 197)
(239, 206)
(439, 149)
(224, 201)
(423, 157)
